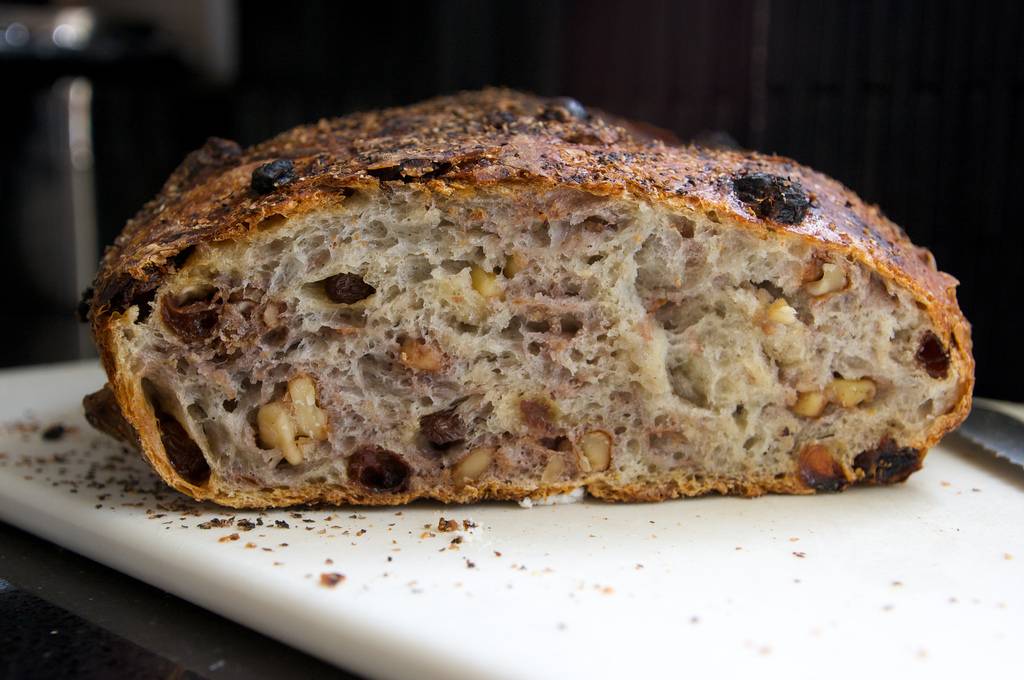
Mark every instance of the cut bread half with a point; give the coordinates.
(501, 296)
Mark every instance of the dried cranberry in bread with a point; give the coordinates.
(495, 295)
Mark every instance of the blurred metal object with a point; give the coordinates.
(53, 59)
(77, 94)
(59, 210)
(1000, 433)
(42, 30)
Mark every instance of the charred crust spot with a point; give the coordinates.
(820, 471)
(184, 455)
(933, 356)
(564, 109)
(378, 469)
(347, 288)
(772, 197)
(888, 463)
(124, 290)
(272, 175)
(192, 319)
(443, 428)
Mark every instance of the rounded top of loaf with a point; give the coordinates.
(509, 141)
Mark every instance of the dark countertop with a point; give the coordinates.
(65, 616)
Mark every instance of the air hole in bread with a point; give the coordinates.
(540, 235)
(570, 325)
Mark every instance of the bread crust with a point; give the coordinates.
(498, 140)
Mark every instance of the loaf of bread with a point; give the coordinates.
(500, 296)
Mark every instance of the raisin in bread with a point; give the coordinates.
(495, 295)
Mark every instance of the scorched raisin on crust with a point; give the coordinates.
(272, 175)
(378, 469)
(347, 288)
(933, 356)
(772, 197)
(443, 428)
(564, 109)
(888, 463)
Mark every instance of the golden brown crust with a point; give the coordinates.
(476, 140)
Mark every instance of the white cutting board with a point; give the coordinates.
(918, 580)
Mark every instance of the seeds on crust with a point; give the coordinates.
(291, 424)
(378, 469)
(347, 288)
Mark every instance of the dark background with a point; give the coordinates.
(915, 105)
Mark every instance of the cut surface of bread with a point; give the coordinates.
(499, 296)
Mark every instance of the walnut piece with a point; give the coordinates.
(474, 464)
(597, 449)
(810, 404)
(833, 279)
(292, 423)
(418, 355)
(554, 470)
(781, 313)
(485, 283)
(850, 393)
